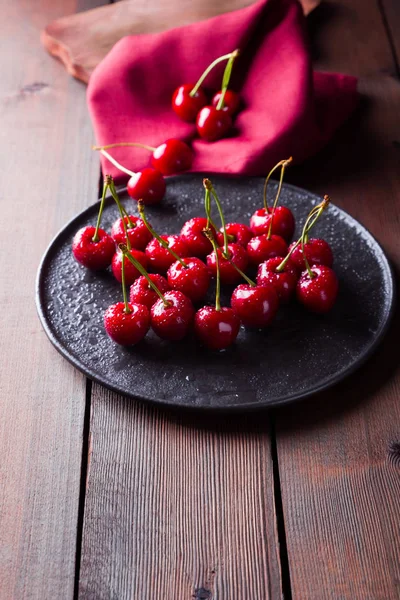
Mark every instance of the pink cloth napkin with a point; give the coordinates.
(288, 109)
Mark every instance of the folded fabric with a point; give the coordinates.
(287, 109)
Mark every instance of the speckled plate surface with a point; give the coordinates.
(299, 355)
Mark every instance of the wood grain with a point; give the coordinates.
(82, 40)
(48, 174)
(339, 474)
(177, 507)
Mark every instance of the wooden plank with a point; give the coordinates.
(177, 507)
(337, 459)
(48, 174)
(391, 16)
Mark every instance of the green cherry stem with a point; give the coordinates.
(284, 164)
(210, 68)
(162, 242)
(120, 144)
(208, 233)
(120, 208)
(143, 272)
(226, 78)
(127, 309)
(116, 163)
(208, 186)
(95, 237)
(247, 279)
(279, 164)
(311, 220)
(131, 224)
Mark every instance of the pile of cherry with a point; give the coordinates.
(183, 265)
(190, 103)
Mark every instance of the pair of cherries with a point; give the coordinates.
(213, 120)
(171, 157)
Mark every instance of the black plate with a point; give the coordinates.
(299, 355)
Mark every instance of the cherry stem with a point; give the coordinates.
(208, 233)
(279, 164)
(210, 68)
(207, 207)
(208, 186)
(142, 271)
(247, 279)
(127, 309)
(131, 224)
(117, 164)
(162, 242)
(120, 208)
(311, 220)
(284, 164)
(226, 78)
(120, 144)
(95, 237)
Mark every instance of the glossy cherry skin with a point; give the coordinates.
(192, 280)
(186, 106)
(260, 248)
(93, 255)
(238, 233)
(159, 258)
(139, 236)
(131, 272)
(284, 281)
(231, 101)
(283, 223)
(174, 321)
(193, 234)
(255, 306)
(147, 185)
(142, 293)
(172, 157)
(217, 329)
(317, 251)
(213, 124)
(318, 293)
(228, 274)
(127, 328)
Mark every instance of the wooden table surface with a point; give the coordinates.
(105, 498)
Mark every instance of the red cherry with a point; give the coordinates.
(186, 106)
(172, 322)
(192, 233)
(127, 328)
(147, 185)
(237, 232)
(159, 258)
(93, 255)
(131, 272)
(228, 273)
(284, 281)
(318, 252)
(261, 248)
(142, 293)
(318, 293)
(255, 306)
(212, 124)
(217, 329)
(231, 101)
(172, 157)
(139, 236)
(193, 280)
(283, 223)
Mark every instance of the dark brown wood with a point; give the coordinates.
(340, 479)
(48, 174)
(391, 17)
(177, 507)
(82, 40)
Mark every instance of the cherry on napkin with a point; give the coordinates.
(288, 109)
